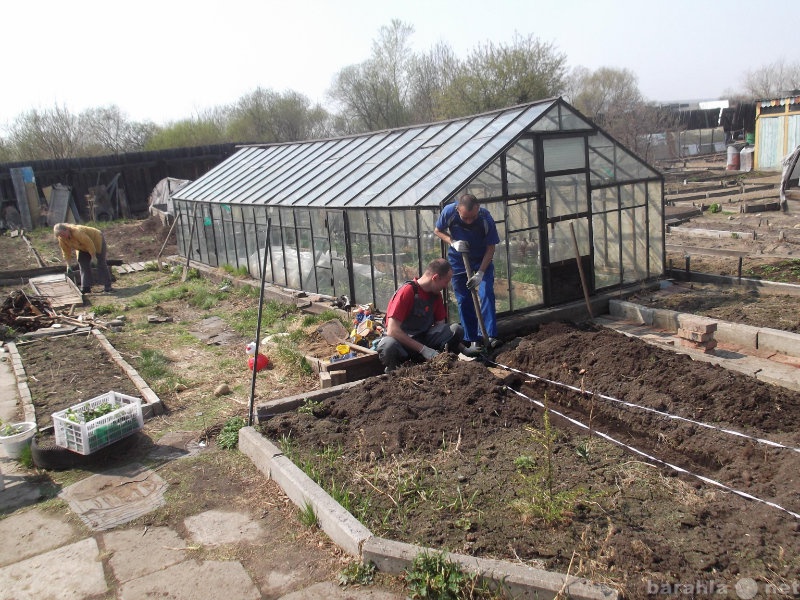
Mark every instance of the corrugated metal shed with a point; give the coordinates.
(418, 166)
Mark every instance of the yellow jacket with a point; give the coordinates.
(87, 239)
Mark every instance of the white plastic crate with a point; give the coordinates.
(85, 438)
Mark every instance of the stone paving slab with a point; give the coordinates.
(216, 527)
(26, 534)
(134, 553)
(194, 580)
(72, 572)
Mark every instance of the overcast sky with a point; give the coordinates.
(171, 59)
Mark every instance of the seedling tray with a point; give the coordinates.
(87, 437)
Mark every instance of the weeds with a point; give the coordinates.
(357, 573)
(431, 575)
(309, 406)
(544, 502)
(153, 365)
(307, 515)
(228, 438)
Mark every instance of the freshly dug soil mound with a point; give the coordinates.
(449, 455)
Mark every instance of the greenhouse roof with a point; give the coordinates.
(417, 166)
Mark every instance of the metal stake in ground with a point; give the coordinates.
(262, 268)
(476, 301)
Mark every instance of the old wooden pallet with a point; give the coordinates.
(59, 289)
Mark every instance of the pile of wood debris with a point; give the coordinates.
(25, 312)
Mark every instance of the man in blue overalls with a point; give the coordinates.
(470, 229)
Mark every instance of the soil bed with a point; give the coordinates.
(447, 455)
(66, 370)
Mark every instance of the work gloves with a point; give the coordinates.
(428, 353)
(460, 245)
(475, 281)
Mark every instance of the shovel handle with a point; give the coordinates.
(475, 300)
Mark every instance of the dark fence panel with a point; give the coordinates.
(139, 172)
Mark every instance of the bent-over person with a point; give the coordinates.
(87, 243)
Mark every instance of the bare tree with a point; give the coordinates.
(497, 76)
(606, 94)
(429, 75)
(47, 134)
(771, 80)
(108, 131)
(373, 94)
(266, 116)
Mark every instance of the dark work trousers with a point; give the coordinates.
(85, 262)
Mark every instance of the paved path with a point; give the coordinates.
(45, 555)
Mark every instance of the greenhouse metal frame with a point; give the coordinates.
(354, 216)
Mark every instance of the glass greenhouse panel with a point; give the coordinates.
(521, 167)
(628, 167)
(339, 254)
(357, 221)
(605, 199)
(602, 152)
(488, 183)
(561, 246)
(207, 237)
(501, 276)
(631, 246)
(430, 244)
(380, 221)
(526, 272)
(522, 215)
(362, 268)
(404, 222)
(607, 268)
(656, 239)
(549, 122)
(572, 122)
(562, 154)
(566, 195)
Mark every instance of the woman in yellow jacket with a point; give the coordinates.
(88, 243)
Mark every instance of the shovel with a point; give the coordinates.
(476, 301)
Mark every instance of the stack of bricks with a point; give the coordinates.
(698, 334)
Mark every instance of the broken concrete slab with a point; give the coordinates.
(214, 331)
(117, 496)
(176, 444)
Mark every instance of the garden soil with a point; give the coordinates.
(459, 455)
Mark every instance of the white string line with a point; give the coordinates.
(653, 410)
(654, 459)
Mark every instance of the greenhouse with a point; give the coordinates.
(354, 216)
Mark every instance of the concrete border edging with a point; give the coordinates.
(152, 404)
(24, 391)
(394, 557)
(520, 580)
(738, 334)
(344, 529)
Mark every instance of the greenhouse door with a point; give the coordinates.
(566, 215)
